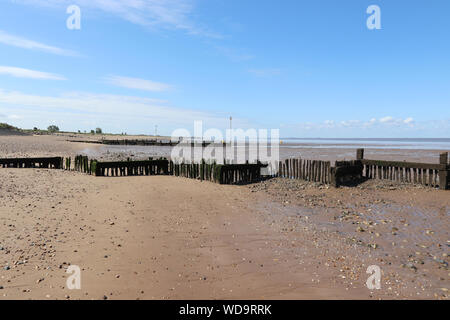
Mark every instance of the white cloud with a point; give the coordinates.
(391, 121)
(408, 120)
(386, 119)
(101, 107)
(169, 14)
(373, 123)
(24, 43)
(350, 123)
(27, 73)
(136, 83)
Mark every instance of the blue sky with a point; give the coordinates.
(309, 68)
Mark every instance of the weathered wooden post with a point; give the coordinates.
(359, 154)
(444, 173)
(333, 177)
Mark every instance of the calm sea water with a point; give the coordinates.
(381, 143)
(418, 150)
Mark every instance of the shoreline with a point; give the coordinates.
(57, 145)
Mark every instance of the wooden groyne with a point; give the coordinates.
(129, 142)
(130, 168)
(354, 171)
(81, 163)
(143, 142)
(308, 170)
(427, 174)
(222, 174)
(219, 173)
(137, 142)
(346, 173)
(48, 163)
(343, 173)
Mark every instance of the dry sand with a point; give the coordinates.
(173, 238)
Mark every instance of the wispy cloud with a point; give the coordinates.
(167, 14)
(387, 126)
(31, 74)
(16, 41)
(387, 121)
(235, 54)
(265, 72)
(130, 111)
(14, 117)
(136, 83)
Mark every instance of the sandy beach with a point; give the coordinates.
(220, 159)
(163, 237)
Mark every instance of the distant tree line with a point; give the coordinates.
(53, 129)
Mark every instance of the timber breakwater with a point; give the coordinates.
(343, 173)
(144, 142)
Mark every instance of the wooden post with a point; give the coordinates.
(316, 171)
(333, 179)
(300, 168)
(444, 175)
(295, 168)
(304, 170)
(359, 154)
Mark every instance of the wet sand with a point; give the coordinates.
(403, 229)
(173, 238)
(39, 146)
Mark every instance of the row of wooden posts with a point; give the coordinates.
(424, 176)
(354, 171)
(81, 164)
(427, 174)
(130, 168)
(344, 172)
(219, 173)
(309, 170)
(147, 142)
(223, 174)
(47, 163)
